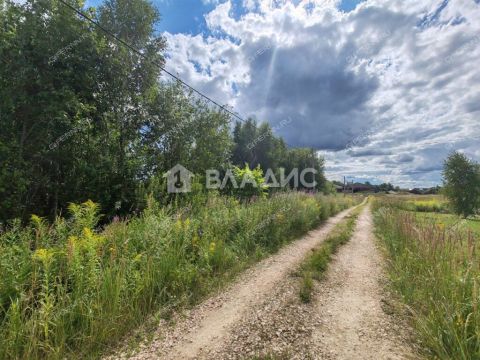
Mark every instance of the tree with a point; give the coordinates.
(245, 137)
(385, 187)
(257, 145)
(73, 104)
(48, 57)
(129, 81)
(461, 179)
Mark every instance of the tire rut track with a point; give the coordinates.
(350, 302)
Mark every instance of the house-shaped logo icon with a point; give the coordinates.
(179, 179)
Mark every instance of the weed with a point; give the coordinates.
(307, 287)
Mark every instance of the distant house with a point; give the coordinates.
(425, 191)
(354, 188)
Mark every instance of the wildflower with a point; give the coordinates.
(212, 247)
(92, 238)
(195, 240)
(90, 204)
(72, 240)
(36, 220)
(45, 256)
(71, 245)
(178, 224)
(460, 321)
(87, 233)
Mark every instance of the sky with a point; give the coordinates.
(383, 89)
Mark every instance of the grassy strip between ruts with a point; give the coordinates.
(314, 267)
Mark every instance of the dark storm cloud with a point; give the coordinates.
(317, 96)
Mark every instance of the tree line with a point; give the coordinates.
(83, 117)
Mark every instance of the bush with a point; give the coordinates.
(247, 183)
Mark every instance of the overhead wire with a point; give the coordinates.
(138, 52)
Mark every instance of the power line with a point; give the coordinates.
(138, 52)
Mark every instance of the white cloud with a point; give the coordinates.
(397, 81)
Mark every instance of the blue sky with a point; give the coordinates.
(187, 16)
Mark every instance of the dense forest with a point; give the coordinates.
(83, 117)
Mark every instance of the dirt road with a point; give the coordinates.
(350, 304)
(204, 328)
(261, 314)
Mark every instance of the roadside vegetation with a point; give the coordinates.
(432, 243)
(68, 290)
(314, 267)
(83, 117)
(434, 262)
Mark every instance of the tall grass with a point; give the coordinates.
(68, 291)
(436, 272)
(435, 203)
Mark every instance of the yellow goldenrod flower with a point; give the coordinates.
(36, 220)
(195, 240)
(178, 224)
(45, 256)
(212, 247)
(87, 233)
(72, 240)
(90, 204)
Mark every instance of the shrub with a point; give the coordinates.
(248, 183)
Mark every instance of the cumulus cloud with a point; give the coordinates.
(383, 92)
